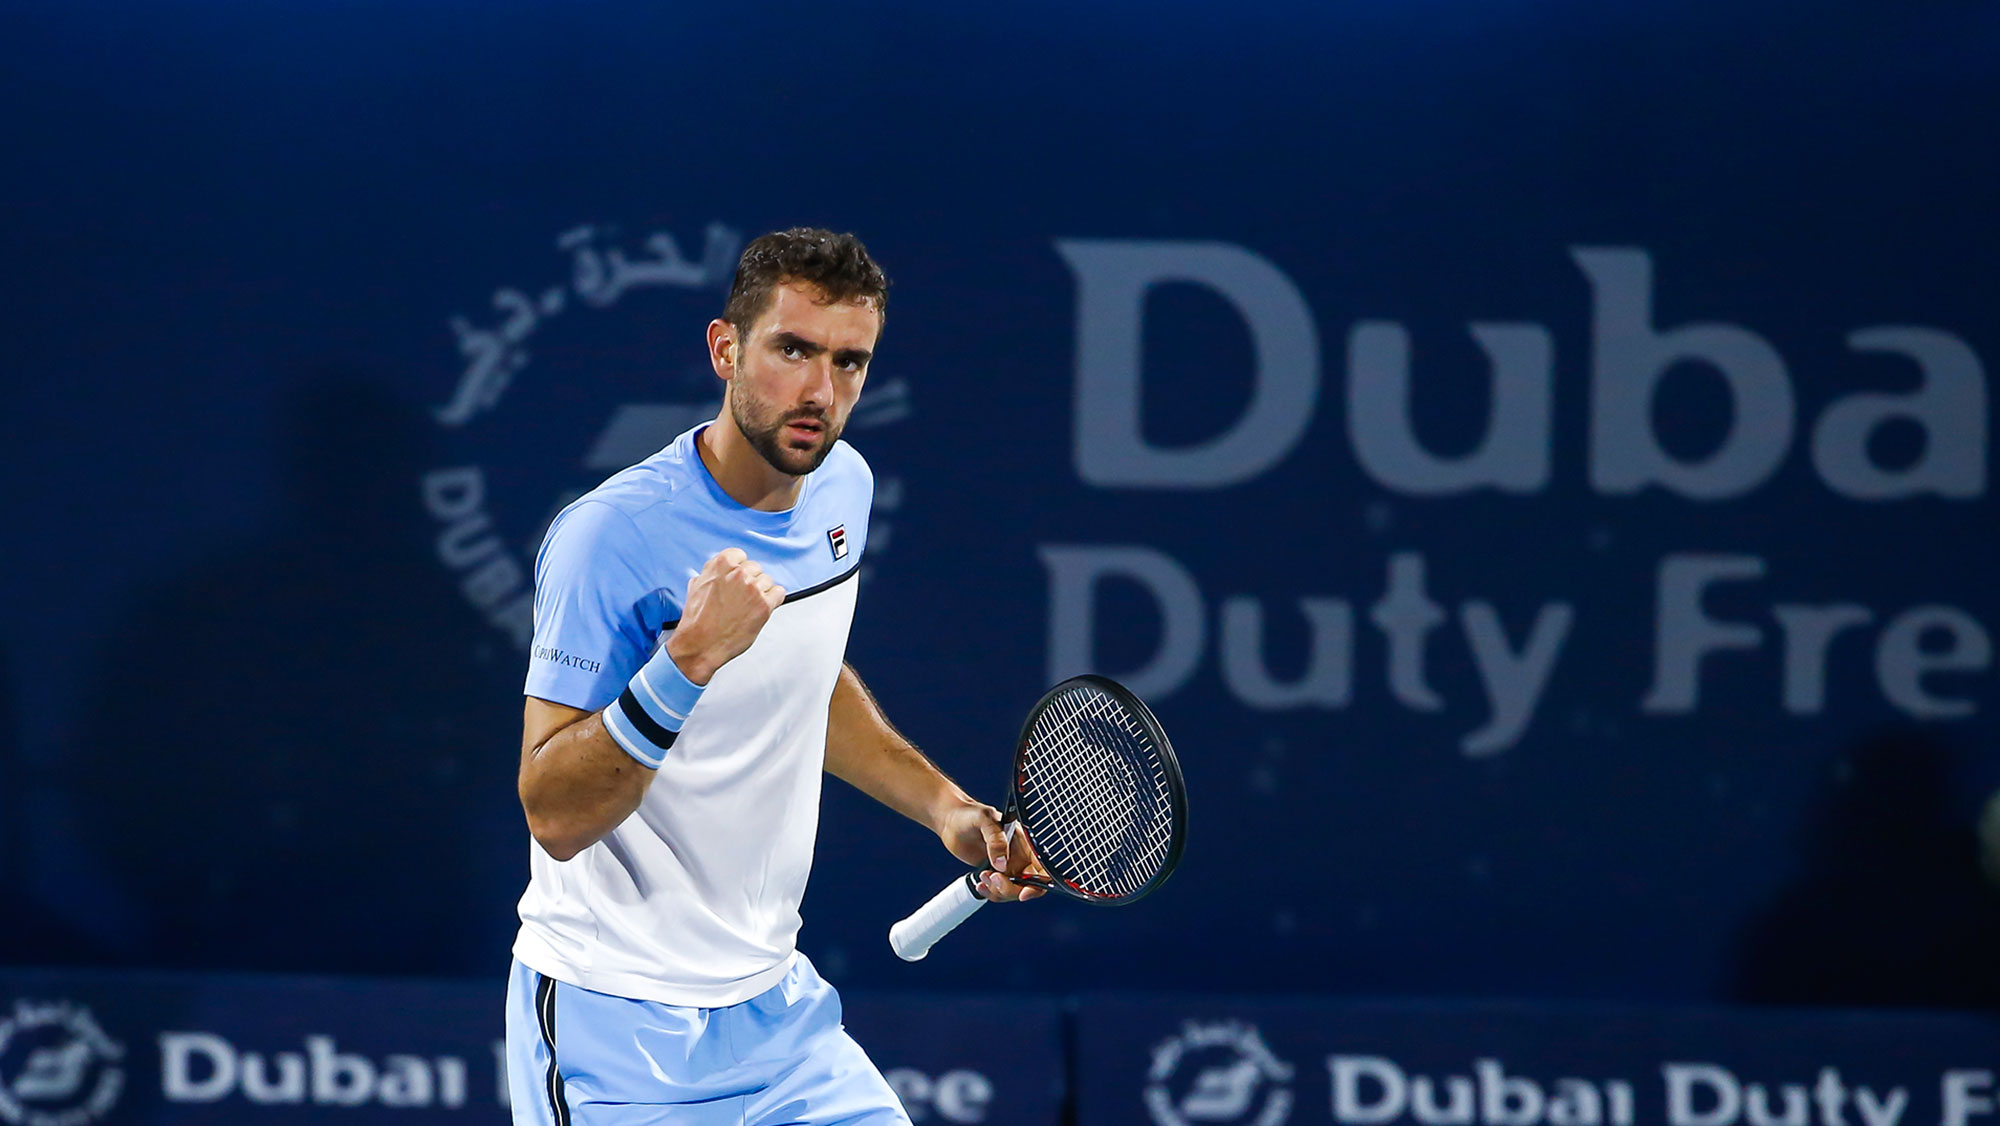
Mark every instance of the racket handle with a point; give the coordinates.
(912, 938)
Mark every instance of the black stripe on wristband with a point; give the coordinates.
(643, 723)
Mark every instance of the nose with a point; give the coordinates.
(818, 389)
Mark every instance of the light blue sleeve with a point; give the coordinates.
(590, 585)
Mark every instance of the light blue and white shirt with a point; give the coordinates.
(693, 900)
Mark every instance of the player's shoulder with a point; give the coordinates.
(624, 504)
(660, 479)
(589, 530)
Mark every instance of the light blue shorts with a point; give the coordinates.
(577, 1058)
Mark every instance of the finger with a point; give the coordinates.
(994, 887)
(763, 582)
(727, 557)
(749, 568)
(996, 839)
(774, 596)
(1021, 855)
(999, 888)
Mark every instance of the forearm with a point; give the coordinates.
(866, 751)
(576, 783)
(583, 773)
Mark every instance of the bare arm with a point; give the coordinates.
(576, 782)
(866, 751)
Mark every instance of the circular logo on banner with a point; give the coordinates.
(1219, 1072)
(57, 1067)
(596, 367)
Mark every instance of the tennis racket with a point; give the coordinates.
(1096, 793)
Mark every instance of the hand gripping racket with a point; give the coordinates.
(1098, 796)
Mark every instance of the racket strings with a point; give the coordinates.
(1091, 815)
(1095, 796)
(1108, 817)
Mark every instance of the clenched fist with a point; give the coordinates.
(727, 604)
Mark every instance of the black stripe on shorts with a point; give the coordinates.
(545, 1015)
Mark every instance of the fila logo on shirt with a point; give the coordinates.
(836, 537)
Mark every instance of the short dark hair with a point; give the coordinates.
(837, 264)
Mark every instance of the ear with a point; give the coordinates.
(722, 347)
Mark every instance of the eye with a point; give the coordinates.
(792, 352)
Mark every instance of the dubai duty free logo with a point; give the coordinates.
(1217, 1072)
(57, 1066)
(596, 367)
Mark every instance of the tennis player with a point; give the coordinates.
(685, 690)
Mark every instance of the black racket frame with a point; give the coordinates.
(1176, 789)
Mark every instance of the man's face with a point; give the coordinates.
(797, 372)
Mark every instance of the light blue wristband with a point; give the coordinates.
(647, 717)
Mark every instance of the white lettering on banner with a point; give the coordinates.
(1630, 359)
(1217, 1071)
(1901, 662)
(1687, 635)
(1112, 280)
(1949, 406)
(58, 1067)
(957, 1095)
(1328, 680)
(290, 1086)
(1513, 679)
(1350, 1099)
(1881, 1112)
(1708, 1094)
(1514, 455)
(1912, 645)
(1633, 354)
(178, 1052)
(1967, 1091)
(1406, 616)
(1074, 575)
(202, 1067)
(1372, 1091)
(488, 576)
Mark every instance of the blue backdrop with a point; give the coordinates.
(1535, 458)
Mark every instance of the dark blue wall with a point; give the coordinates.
(262, 667)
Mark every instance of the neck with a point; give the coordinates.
(741, 471)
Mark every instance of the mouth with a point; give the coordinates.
(805, 429)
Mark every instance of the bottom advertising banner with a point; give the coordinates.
(1175, 1063)
(966, 1059)
(79, 1048)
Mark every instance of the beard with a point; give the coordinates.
(766, 431)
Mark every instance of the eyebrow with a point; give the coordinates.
(856, 356)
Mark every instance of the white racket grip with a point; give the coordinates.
(913, 938)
